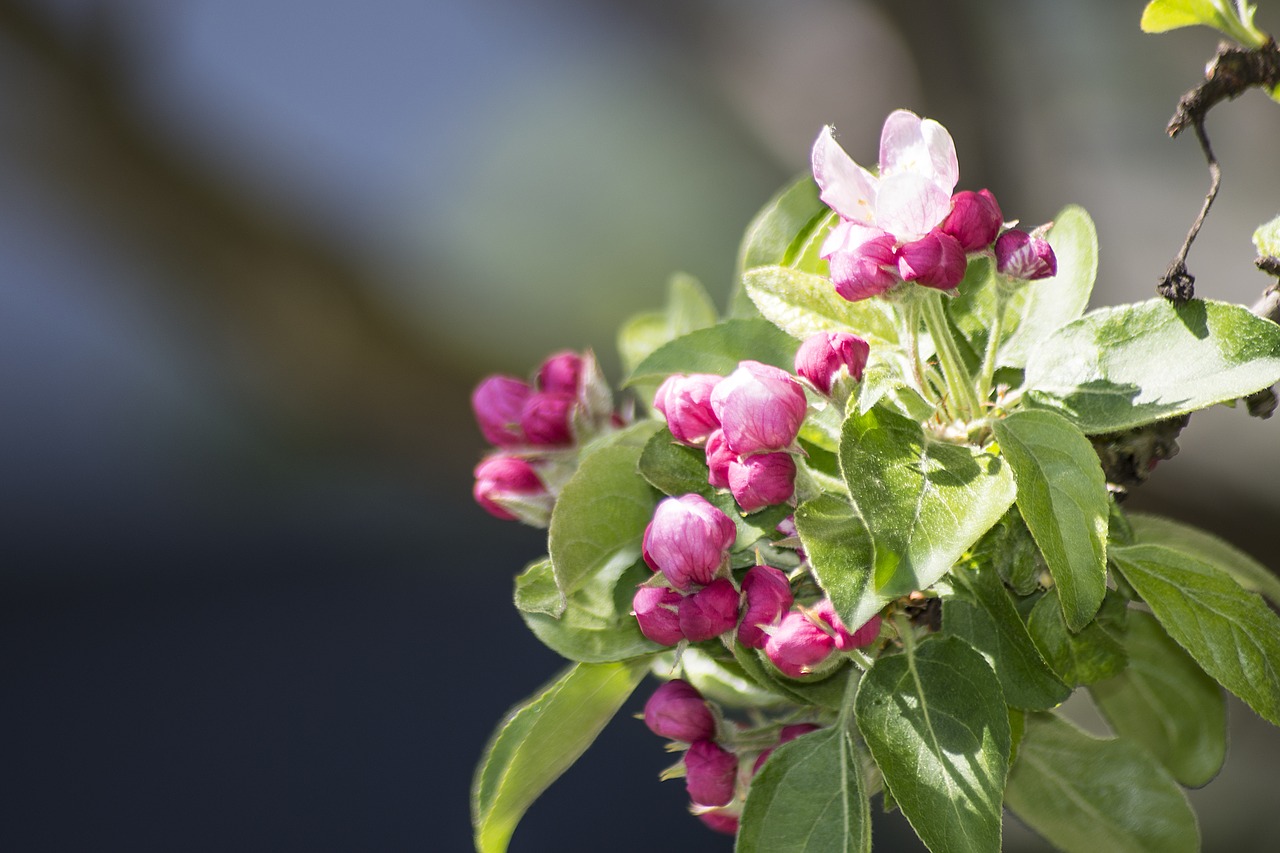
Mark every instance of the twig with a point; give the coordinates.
(1178, 284)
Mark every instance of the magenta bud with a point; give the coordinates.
(721, 820)
(844, 639)
(657, 610)
(711, 774)
(687, 540)
(561, 373)
(1019, 255)
(823, 357)
(497, 403)
(788, 734)
(936, 260)
(975, 219)
(710, 611)
(768, 595)
(862, 260)
(760, 408)
(547, 419)
(509, 488)
(685, 401)
(719, 457)
(762, 480)
(797, 645)
(677, 711)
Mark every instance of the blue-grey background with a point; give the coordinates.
(255, 253)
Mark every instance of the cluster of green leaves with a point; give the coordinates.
(1045, 584)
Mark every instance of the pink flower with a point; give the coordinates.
(1020, 255)
(823, 358)
(509, 488)
(710, 611)
(863, 260)
(719, 458)
(768, 595)
(497, 403)
(685, 401)
(677, 711)
(797, 645)
(762, 480)
(687, 540)
(657, 610)
(974, 220)
(711, 773)
(760, 408)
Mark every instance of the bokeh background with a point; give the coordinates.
(255, 253)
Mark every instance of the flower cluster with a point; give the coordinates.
(534, 427)
(904, 224)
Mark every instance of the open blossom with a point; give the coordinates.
(890, 224)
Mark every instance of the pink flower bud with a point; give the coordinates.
(547, 419)
(936, 260)
(677, 711)
(797, 645)
(497, 403)
(862, 259)
(844, 640)
(760, 408)
(710, 611)
(1019, 255)
(975, 219)
(657, 611)
(787, 527)
(762, 480)
(685, 401)
(768, 595)
(788, 734)
(561, 373)
(822, 357)
(687, 540)
(509, 488)
(719, 457)
(710, 773)
(721, 820)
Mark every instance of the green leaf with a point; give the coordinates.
(1010, 549)
(540, 739)
(841, 556)
(827, 691)
(1267, 238)
(777, 233)
(1163, 15)
(688, 308)
(721, 679)
(602, 511)
(673, 468)
(808, 798)
(1229, 631)
(1090, 655)
(596, 625)
(925, 502)
(1131, 365)
(1165, 702)
(1086, 795)
(1062, 496)
(536, 590)
(937, 726)
(803, 304)
(985, 618)
(1248, 572)
(718, 350)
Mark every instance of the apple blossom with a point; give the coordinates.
(1021, 255)
(685, 401)
(677, 711)
(509, 488)
(561, 372)
(762, 480)
(688, 540)
(656, 609)
(768, 596)
(709, 612)
(711, 773)
(760, 408)
(825, 356)
(719, 458)
(497, 403)
(975, 219)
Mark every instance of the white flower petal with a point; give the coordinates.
(847, 188)
(910, 206)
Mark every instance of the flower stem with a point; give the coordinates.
(993, 344)
(959, 382)
(911, 325)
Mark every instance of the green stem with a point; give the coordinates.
(993, 344)
(959, 382)
(911, 326)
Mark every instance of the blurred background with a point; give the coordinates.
(255, 255)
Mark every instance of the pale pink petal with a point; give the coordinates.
(942, 152)
(848, 237)
(911, 145)
(847, 188)
(910, 206)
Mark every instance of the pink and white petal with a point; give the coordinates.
(910, 206)
(847, 236)
(847, 188)
(902, 147)
(942, 153)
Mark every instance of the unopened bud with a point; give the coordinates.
(711, 773)
(823, 357)
(1019, 255)
(721, 820)
(709, 612)
(677, 711)
(657, 609)
(687, 540)
(497, 403)
(760, 408)
(762, 480)
(561, 373)
(768, 595)
(845, 639)
(547, 419)
(936, 260)
(509, 488)
(975, 219)
(797, 646)
(862, 260)
(685, 401)
(719, 458)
